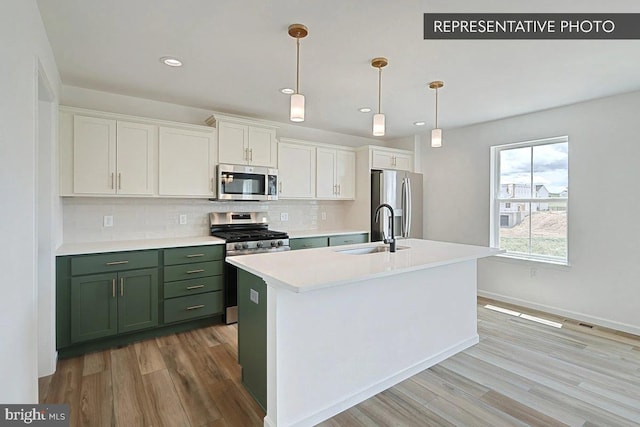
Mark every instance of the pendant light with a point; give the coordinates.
(378, 119)
(436, 133)
(297, 31)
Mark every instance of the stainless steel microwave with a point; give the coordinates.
(240, 182)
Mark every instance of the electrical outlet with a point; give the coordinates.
(323, 215)
(284, 216)
(533, 273)
(107, 221)
(254, 296)
(183, 219)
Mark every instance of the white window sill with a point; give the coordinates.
(523, 258)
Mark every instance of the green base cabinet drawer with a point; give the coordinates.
(116, 261)
(348, 239)
(193, 286)
(192, 271)
(193, 254)
(191, 307)
(308, 243)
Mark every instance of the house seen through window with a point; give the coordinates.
(530, 198)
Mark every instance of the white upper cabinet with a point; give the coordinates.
(136, 144)
(391, 159)
(336, 173)
(186, 162)
(113, 157)
(346, 174)
(244, 144)
(296, 171)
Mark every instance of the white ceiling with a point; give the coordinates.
(237, 55)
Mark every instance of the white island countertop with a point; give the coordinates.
(135, 245)
(311, 269)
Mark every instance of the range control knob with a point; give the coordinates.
(245, 246)
(280, 243)
(237, 246)
(274, 243)
(260, 244)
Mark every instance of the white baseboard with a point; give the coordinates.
(353, 400)
(597, 321)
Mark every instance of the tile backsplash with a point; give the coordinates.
(140, 218)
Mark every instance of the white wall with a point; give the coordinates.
(24, 45)
(601, 284)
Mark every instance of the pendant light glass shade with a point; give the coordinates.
(436, 138)
(296, 113)
(297, 108)
(378, 124)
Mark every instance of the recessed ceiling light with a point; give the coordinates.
(287, 90)
(364, 110)
(419, 123)
(170, 61)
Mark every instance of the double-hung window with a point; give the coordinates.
(529, 199)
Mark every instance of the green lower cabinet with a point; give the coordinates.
(103, 305)
(94, 307)
(138, 300)
(308, 243)
(252, 335)
(348, 239)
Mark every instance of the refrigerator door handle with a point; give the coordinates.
(408, 207)
(403, 204)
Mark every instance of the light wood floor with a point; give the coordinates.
(521, 373)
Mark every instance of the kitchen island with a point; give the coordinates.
(343, 324)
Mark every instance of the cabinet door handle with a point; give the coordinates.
(116, 262)
(339, 190)
(280, 187)
(112, 181)
(119, 181)
(246, 154)
(113, 288)
(195, 307)
(213, 185)
(195, 271)
(194, 255)
(190, 288)
(122, 286)
(251, 154)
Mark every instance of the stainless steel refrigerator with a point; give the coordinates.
(403, 192)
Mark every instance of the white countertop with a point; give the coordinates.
(312, 269)
(323, 233)
(134, 245)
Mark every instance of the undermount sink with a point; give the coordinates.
(370, 250)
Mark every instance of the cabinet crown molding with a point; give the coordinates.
(215, 118)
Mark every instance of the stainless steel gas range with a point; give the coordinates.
(245, 233)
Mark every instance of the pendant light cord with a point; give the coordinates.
(379, 88)
(297, 64)
(436, 108)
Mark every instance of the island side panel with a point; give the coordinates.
(338, 346)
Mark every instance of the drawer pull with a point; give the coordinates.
(194, 255)
(201, 270)
(195, 307)
(190, 288)
(117, 262)
(348, 241)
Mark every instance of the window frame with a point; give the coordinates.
(494, 215)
